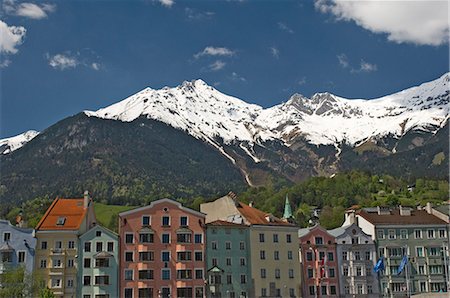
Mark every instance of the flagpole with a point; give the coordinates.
(407, 272)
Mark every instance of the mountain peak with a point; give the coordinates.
(11, 144)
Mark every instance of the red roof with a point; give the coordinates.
(69, 212)
(258, 217)
(417, 217)
(226, 223)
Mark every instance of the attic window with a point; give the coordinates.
(60, 221)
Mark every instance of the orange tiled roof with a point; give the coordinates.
(71, 209)
(258, 217)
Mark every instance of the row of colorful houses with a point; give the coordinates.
(230, 249)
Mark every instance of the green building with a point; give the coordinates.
(98, 264)
(228, 260)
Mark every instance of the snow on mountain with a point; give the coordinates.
(206, 113)
(13, 143)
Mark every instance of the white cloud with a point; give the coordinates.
(95, 66)
(284, 27)
(194, 14)
(237, 77)
(166, 3)
(62, 61)
(418, 22)
(364, 66)
(217, 65)
(28, 10)
(68, 60)
(275, 52)
(11, 37)
(302, 81)
(4, 62)
(343, 60)
(214, 51)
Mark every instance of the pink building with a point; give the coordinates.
(162, 249)
(319, 264)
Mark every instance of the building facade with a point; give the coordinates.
(416, 234)
(98, 264)
(228, 260)
(356, 256)
(274, 262)
(318, 260)
(57, 243)
(162, 248)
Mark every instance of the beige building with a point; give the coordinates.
(275, 267)
(57, 243)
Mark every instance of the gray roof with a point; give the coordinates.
(445, 208)
(338, 231)
(304, 231)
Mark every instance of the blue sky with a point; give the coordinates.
(59, 58)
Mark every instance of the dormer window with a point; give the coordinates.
(61, 221)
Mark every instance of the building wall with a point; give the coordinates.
(274, 286)
(131, 222)
(320, 270)
(96, 235)
(22, 242)
(356, 255)
(229, 261)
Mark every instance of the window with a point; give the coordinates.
(318, 240)
(262, 254)
(214, 245)
(128, 274)
(381, 251)
(98, 233)
(309, 256)
(358, 271)
(128, 238)
(435, 269)
(165, 238)
(288, 238)
(312, 290)
(261, 237)
(43, 264)
(145, 274)
(344, 256)
(70, 263)
(44, 245)
(355, 240)
(391, 234)
(71, 244)
(368, 256)
(228, 261)
(184, 256)
(277, 273)
(184, 274)
(165, 274)
(419, 251)
(184, 292)
(184, 237)
(289, 254)
(86, 280)
(198, 255)
(330, 257)
(184, 221)
(6, 236)
(110, 246)
(345, 271)
(421, 270)
(128, 293)
(87, 263)
(263, 273)
(198, 273)
(291, 273)
(418, 234)
(263, 292)
(214, 261)
(70, 283)
(368, 270)
(276, 255)
(369, 289)
(21, 257)
(98, 246)
(57, 263)
(242, 261)
(165, 256)
(87, 246)
(145, 292)
(243, 279)
(166, 221)
(102, 262)
(434, 251)
(198, 238)
(380, 234)
(423, 286)
(128, 256)
(347, 290)
(199, 292)
(102, 280)
(228, 245)
(60, 221)
(324, 290)
(145, 220)
(331, 272)
(403, 234)
(357, 255)
(310, 272)
(58, 244)
(242, 245)
(146, 237)
(275, 238)
(430, 234)
(146, 256)
(442, 234)
(332, 290)
(229, 279)
(359, 288)
(321, 255)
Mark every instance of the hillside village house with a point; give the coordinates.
(57, 243)
(273, 247)
(162, 248)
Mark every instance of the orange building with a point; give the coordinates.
(162, 251)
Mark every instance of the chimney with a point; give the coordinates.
(429, 208)
(86, 199)
(350, 215)
(250, 204)
(404, 211)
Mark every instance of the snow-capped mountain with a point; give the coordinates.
(11, 144)
(323, 119)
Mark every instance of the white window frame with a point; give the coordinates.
(420, 233)
(406, 233)
(24, 257)
(166, 269)
(124, 275)
(389, 234)
(170, 240)
(417, 252)
(170, 221)
(125, 239)
(195, 272)
(149, 219)
(187, 220)
(428, 234)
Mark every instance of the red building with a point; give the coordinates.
(162, 251)
(319, 264)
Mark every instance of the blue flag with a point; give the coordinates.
(379, 265)
(402, 265)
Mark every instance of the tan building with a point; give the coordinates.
(57, 243)
(275, 267)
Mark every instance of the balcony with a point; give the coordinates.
(57, 251)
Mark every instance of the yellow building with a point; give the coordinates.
(57, 243)
(274, 257)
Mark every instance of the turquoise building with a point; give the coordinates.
(98, 264)
(228, 260)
